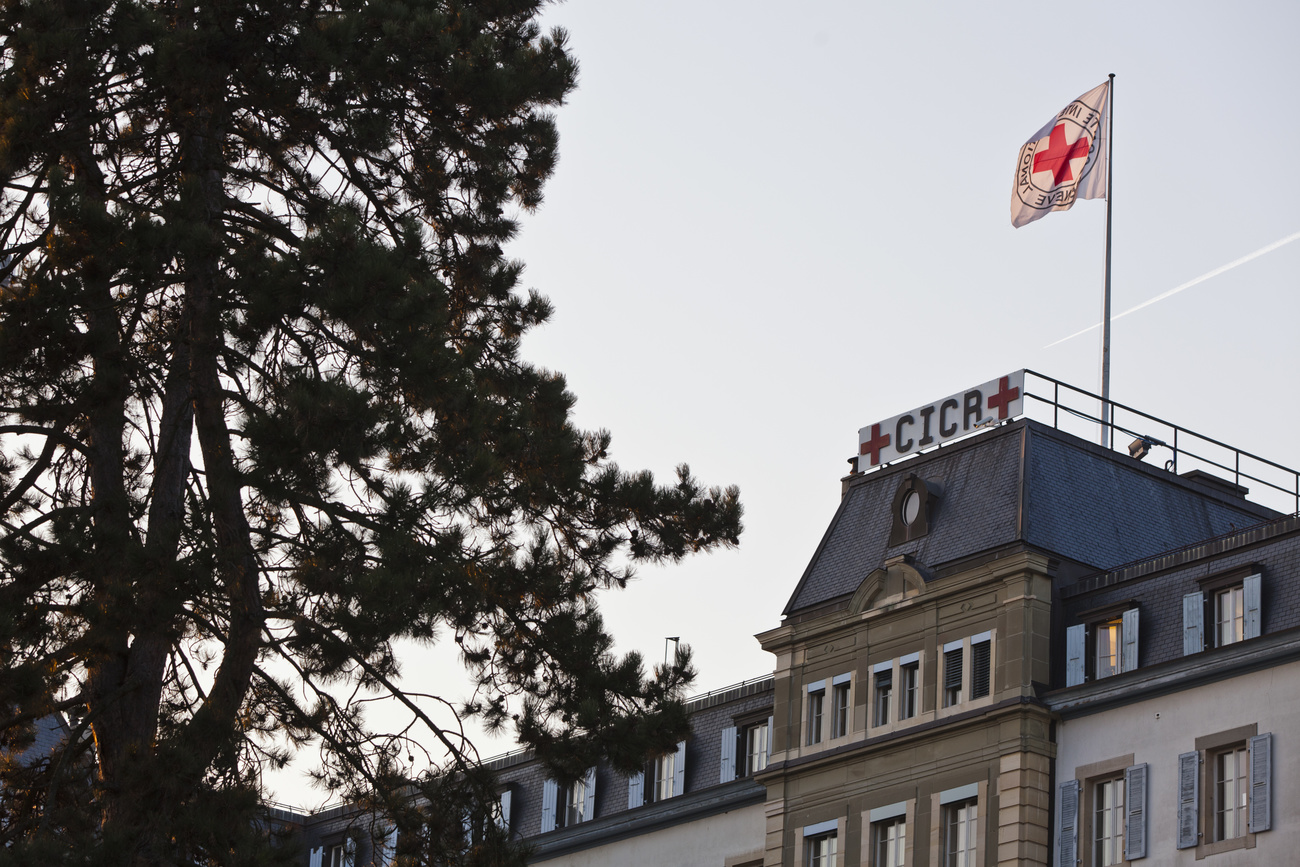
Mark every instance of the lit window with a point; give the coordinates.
(1229, 616)
(959, 833)
(882, 689)
(1109, 644)
(908, 689)
(1101, 648)
(840, 707)
(889, 842)
(816, 705)
(1108, 822)
(1231, 792)
(756, 747)
(820, 850)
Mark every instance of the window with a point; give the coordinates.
(882, 689)
(952, 672)
(757, 747)
(909, 672)
(959, 831)
(889, 842)
(342, 854)
(745, 749)
(820, 849)
(1229, 622)
(1108, 822)
(1235, 607)
(566, 805)
(1227, 782)
(1101, 648)
(840, 706)
(1231, 792)
(816, 703)
(981, 653)
(664, 772)
(664, 777)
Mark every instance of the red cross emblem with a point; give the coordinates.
(873, 446)
(1056, 157)
(1002, 400)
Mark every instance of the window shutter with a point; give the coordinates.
(1189, 773)
(503, 814)
(1069, 823)
(467, 828)
(549, 792)
(679, 769)
(349, 852)
(1130, 638)
(771, 733)
(636, 790)
(728, 771)
(952, 669)
(316, 856)
(1252, 595)
(1135, 812)
(981, 658)
(388, 849)
(1261, 782)
(1075, 640)
(1193, 623)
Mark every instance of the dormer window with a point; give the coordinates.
(914, 505)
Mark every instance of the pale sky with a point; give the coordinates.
(775, 223)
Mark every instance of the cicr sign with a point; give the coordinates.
(943, 420)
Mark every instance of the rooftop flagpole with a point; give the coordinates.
(1107, 429)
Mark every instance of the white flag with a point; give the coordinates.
(1063, 161)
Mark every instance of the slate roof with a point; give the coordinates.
(1028, 483)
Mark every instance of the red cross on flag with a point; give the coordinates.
(1063, 161)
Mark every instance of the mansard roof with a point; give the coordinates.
(1020, 483)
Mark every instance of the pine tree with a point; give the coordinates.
(263, 417)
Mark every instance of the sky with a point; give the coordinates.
(773, 224)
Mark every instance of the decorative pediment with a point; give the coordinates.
(899, 579)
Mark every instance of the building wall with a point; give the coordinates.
(729, 839)
(1157, 730)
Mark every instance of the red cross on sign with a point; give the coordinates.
(1002, 400)
(1056, 157)
(872, 447)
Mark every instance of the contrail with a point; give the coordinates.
(1188, 285)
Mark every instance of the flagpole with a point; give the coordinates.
(1107, 429)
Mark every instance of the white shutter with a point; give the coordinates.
(503, 814)
(771, 734)
(316, 856)
(1135, 812)
(1193, 623)
(1069, 845)
(1261, 782)
(1252, 595)
(549, 796)
(1130, 630)
(349, 852)
(1075, 640)
(587, 810)
(467, 827)
(728, 771)
(679, 769)
(1189, 788)
(636, 790)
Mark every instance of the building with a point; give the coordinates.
(1012, 646)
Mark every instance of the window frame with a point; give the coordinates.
(876, 824)
(882, 691)
(1082, 650)
(1198, 795)
(814, 836)
(841, 706)
(954, 817)
(909, 694)
(816, 711)
(747, 733)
